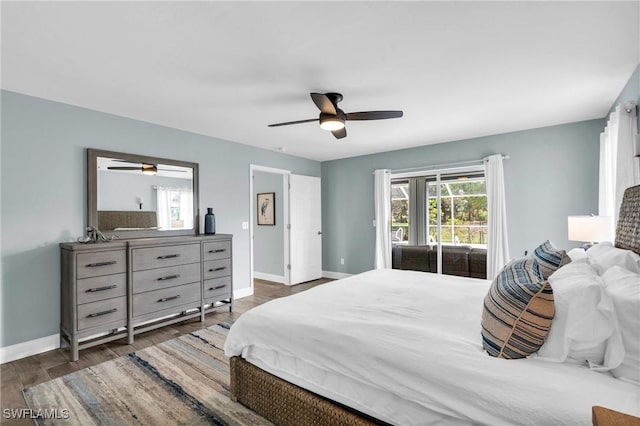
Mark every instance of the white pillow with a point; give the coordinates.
(605, 255)
(624, 288)
(577, 254)
(584, 329)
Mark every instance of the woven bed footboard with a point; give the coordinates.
(284, 403)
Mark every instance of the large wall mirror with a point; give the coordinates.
(135, 196)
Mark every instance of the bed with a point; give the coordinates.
(404, 347)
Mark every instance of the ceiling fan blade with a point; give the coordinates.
(172, 170)
(373, 115)
(340, 133)
(293, 122)
(124, 168)
(323, 103)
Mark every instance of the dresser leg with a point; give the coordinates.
(75, 352)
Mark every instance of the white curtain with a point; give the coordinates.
(186, 208)
(163, 210)
(618, 167)
(497, 238)
(382, 186)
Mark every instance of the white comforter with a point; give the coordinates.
(405, 347)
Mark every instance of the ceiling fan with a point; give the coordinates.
(145, 168)
(332, 118)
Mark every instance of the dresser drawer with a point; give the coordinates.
(98, 263)
(158, 300)
(100, 288)
(217, 250)
(154, 257)
(111, 311)
(171, 276)
(217, 289)
(217, 268)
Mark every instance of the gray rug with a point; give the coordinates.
(184, 381)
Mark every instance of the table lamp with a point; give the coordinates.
(590, 229)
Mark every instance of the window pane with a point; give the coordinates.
(400, 212)
(469, 187)
(463, 213)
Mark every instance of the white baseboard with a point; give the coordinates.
(335, 275)
(269, 277)
(32, 347)
(239, 294)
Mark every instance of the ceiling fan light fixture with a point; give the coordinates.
(149, 169)
(331, 122)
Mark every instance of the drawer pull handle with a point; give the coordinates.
(93, 265)
(169, 277)
(97, 314)
(218, 287)
(168, 256)
(217, 251)
(218, 269)
(166, 299)
(107, 287)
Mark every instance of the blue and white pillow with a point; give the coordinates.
(518, 311)
(550, 258)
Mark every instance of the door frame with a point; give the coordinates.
(285, 217)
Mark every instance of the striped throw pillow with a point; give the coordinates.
(550, 258)
(517, 311)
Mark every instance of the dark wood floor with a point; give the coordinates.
(30, 371)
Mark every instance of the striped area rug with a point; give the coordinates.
(184, 381)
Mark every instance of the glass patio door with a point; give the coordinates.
(457, 218)
(445, 210)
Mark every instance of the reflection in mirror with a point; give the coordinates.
(153, 196)
(142, 196)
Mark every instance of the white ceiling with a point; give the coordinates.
(227, 69)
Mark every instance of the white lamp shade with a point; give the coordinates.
(590, 228)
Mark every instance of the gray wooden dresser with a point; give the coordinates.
(117, 289)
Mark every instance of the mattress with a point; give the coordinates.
(405, 348)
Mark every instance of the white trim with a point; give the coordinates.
(287, 229)
(258, 168)
(335, 275)
(285, 210)
(244, 292)
(32, 347)
(269, 277)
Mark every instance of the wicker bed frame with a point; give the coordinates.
(286, 404)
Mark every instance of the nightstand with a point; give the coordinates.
(606, 417)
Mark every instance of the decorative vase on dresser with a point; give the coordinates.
(115, 290)
(209, 222)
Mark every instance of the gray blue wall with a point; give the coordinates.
(552, 173)
(268, 241)
(44, 195)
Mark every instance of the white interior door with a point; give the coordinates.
(306, 228)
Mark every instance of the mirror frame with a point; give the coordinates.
(92, 193)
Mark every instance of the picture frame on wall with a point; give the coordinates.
(266, 208)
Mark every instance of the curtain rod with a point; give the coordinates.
(438, 166)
